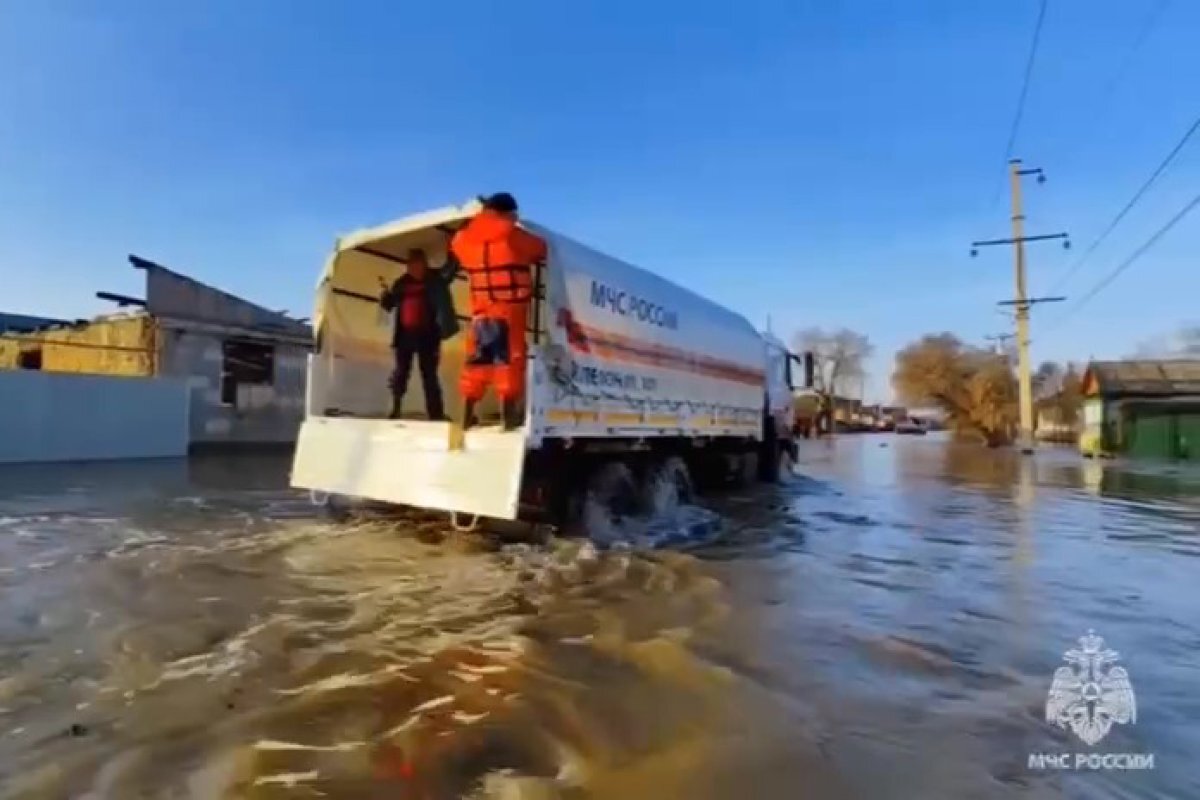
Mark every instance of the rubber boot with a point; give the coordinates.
(397, 405)
(456, 434)
(511, 413)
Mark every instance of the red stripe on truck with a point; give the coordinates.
(617, 347)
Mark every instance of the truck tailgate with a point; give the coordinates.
(408, 463)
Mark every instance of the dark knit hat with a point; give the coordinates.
(503, 202)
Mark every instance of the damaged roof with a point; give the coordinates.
(1144, 377)
(24, 323)
(175, 295)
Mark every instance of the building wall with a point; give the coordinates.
(1091, 432)
(117, 346)
(1156, 430)
(48, 416)
(258, 414)
(10, 349)
(1157, 427)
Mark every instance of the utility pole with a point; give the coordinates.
(1022, 303)
(831, 396)
(1000, 340)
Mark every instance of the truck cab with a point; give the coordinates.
(782, 367)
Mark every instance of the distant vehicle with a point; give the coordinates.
(912, 427)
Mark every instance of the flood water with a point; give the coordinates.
(885, 625)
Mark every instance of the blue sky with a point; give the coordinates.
(823, 163)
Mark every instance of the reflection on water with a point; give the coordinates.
(885, 625)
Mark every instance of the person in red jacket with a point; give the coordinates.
(498, 257)
(417, 298)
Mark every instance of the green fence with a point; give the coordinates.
(1162, 432)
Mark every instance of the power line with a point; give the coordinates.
(1133, 201)
(1129, 262)
(1037, 35)
(1105, 95)
(1139, 39)
(1020, 112)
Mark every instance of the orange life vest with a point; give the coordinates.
(497, 255)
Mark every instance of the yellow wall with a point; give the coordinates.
(134, 334)
(8, 353)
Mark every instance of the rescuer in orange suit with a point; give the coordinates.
(498, 257)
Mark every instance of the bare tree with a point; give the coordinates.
(975, 388)
(839, 358)
(1048, 380)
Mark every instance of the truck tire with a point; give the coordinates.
(611, 496)
(709, 471)
(768, 464)
(667, 485)
(745, 469)
(769, 450)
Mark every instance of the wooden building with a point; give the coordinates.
(1142, 408)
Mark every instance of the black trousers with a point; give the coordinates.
(426, 347)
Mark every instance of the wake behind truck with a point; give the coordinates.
(639, 391)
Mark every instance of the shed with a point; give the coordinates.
(1145, 408)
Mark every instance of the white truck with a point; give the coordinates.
(638, 390)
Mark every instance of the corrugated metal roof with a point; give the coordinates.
(19, 323)
(1166, 377)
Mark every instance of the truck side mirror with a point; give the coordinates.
(809, 369)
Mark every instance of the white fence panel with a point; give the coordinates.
(48, 416)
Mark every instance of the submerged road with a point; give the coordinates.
(886, 625)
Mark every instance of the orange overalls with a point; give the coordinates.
(497, 257)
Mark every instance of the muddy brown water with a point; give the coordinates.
(885, 625)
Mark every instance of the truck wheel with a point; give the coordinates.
(745, 470)
(611, 497)
(709, 471)
(768, 471)
(777, 464)
(775, 455)
(768, 451)
(667, 486)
